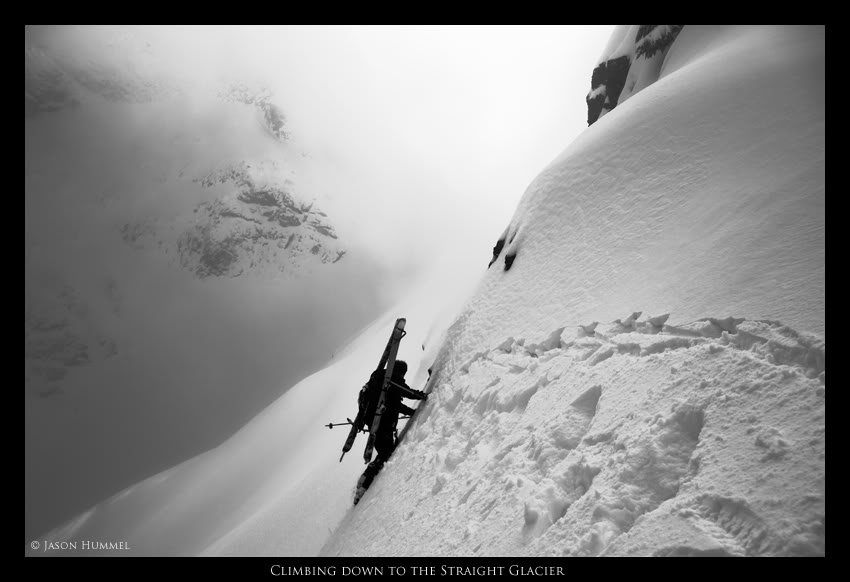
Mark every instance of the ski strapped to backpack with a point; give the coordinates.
(364, 418)
(395, 340)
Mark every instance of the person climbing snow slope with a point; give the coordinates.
(385, 439)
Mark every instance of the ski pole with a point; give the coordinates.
(332, 424)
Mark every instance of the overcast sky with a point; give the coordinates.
(448, 124)
(442, 128)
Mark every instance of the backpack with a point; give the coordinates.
(367, 400)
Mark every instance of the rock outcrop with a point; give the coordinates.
(643, 47)
(257, 225)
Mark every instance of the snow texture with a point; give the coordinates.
(561, 420)
(686, 441)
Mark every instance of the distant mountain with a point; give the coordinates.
(178, 264)
(273, 117)
(256, 225)
(254, 221)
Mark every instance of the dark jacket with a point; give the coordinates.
(398, 389)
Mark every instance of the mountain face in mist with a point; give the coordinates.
(257, 227)
(255, 223)
(242, 229)
(57, 80)
(274, 120)
(166, 220)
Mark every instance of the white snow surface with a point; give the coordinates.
(697, 430)
(686, 440)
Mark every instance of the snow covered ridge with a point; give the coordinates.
(254, 226)
(691, 197)
(634, 438)
(632, 61)
(274, 120)
(254, 217)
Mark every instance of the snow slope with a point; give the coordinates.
(702, 196)
(694, 428)
(705, 196)
(276, 487)
(681, 440)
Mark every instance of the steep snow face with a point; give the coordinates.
(704, 196)
(701, 439)
(690, 432)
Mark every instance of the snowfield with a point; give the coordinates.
(641, 371)
(697, 439)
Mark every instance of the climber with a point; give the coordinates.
(385, 438)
